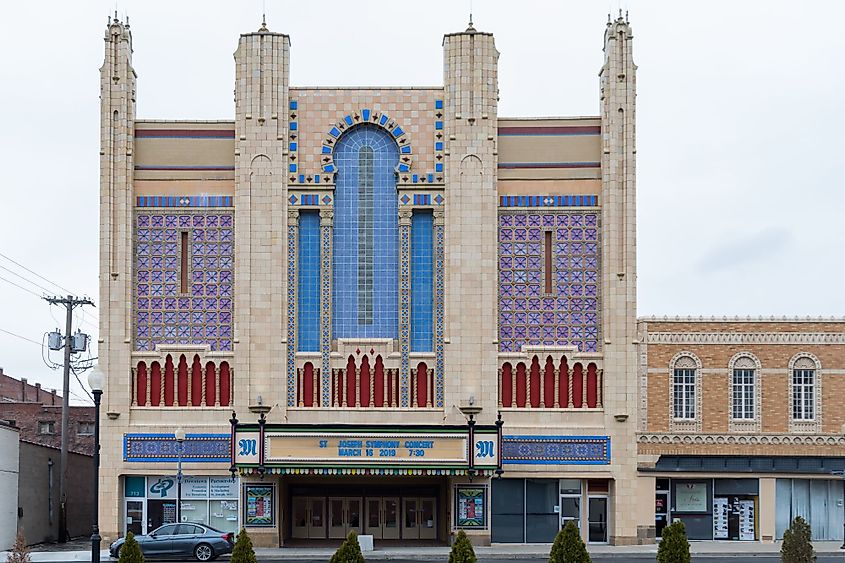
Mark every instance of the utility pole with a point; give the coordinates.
(70, 346)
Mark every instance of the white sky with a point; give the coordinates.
(739, 128)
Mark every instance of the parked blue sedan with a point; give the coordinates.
(179, 541)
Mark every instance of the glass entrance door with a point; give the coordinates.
(135, 517)
(383, 518)
(419, 521)
(344, 516)
(597, 519)
(308, 518)
(570, 509)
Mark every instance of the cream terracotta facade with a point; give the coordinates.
(474, 172)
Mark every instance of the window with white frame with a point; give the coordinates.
(683, 393)
(803, 393)
(743, 396)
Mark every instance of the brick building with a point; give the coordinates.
(38, 415)
(741, 424)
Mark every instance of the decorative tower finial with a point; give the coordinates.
(263, 23)
(115, 17)
(470, 27)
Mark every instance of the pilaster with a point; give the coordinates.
(117, 125)
(262, 131)
(326, 263)
(619, 313)
(470, 122)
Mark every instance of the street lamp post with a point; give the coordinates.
(96, 380)
(180, 440)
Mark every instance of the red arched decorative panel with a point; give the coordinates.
(563, 383)
(141, 384)
(225, 384)
(364, 383)
(506, 385)
(308, 385)
(535, 382)
(578, 386)
(169, 382)
(521, 384)
(549, 383)
(182, 382)
(155, 385)
(378, 383)
(196, 382)
(350, 382)
(592, 385)
(210, 384)
(422, 384)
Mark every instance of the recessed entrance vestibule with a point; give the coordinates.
(389, 511)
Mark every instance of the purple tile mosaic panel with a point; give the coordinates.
(165, 315)
(570, 314)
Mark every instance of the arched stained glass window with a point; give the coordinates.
(366, 254)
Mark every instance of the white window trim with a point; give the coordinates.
(802, 425)
(745, 424)
(685, 424)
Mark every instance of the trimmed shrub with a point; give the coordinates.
(19, 552)
(462, 551)
(797, 544)
(674, 547)
(349, 551)
(243, 551)
(130, 551)
(569, 547)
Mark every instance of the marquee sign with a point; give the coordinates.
(268, 447)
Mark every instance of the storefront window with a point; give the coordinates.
(818, 501)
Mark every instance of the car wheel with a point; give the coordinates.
(203, 552)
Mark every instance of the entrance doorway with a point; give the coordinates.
(135, 517)
(383, 518)
(597, 519)
(418, 520)
(308, 518)
(344, 517)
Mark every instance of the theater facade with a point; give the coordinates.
(394, 311)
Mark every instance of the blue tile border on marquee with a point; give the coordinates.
(149, 448)
(556, 450)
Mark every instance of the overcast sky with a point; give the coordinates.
(739, 129)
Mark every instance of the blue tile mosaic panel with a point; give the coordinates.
(556, 450)
(570, 314)
(164, 447)
(422, 281)
(366, 256)
(202, 315)
(308, 288)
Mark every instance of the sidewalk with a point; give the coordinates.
(713, 549)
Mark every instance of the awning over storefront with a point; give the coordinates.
(353, 449)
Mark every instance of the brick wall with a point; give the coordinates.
(18, 390)
(774, 344)
(27, 417)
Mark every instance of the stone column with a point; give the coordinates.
(290, 357)
(405, 307)
(439, 298)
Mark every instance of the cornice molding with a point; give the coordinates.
(810, 338)
(739, 319)
(671, 439)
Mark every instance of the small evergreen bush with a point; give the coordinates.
(349, 551)
(797, 545)
(674, 547)
(130, 551)
(243, 551)
(462, 551)
(569, 547)
(19, 552)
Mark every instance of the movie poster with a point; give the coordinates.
(258, 510)
(471, 505)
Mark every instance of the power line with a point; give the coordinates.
(20, 286)
(14, 273)
(39, 344)
(66, 290)
(76, 375)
